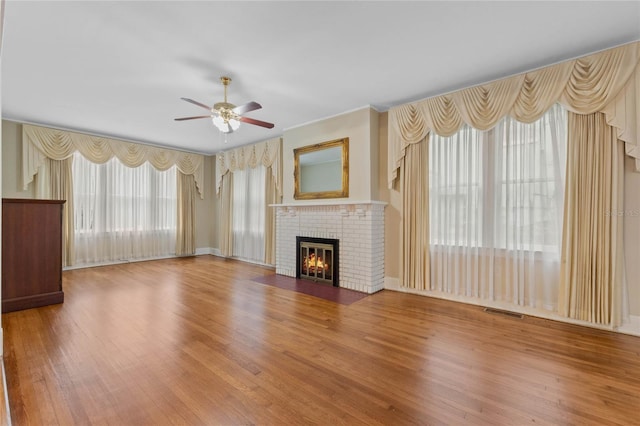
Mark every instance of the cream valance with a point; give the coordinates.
(607, 82)
(266, 153)
(39, 143)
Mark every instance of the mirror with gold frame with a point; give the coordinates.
(322, 170)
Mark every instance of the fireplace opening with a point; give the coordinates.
(317, 260)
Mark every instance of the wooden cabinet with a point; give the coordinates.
(31, 253)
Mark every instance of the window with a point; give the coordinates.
(495, 211)
(123, 213)
(249, 205)
(501, 188)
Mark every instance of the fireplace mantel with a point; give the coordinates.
(327, 203)
(344, 207)
(358, 225)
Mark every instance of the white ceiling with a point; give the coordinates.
(119, 68)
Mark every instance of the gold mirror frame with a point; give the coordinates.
(339, 193)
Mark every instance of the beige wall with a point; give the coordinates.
(392, 210)
(12, 162)
(12, 182)
(374, 131)
(363, 148)
(215, 209)
(204, 207)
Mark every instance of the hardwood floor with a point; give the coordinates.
(195, 341)
(4, 414)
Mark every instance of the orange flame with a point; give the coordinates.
(313, 263)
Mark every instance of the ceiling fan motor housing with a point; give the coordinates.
(225, 110)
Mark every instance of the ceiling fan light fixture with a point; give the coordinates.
(221, 124)
(235, 124)
(225, 125)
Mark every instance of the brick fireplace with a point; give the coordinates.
(358, 227)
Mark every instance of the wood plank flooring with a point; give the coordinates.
(194, 341)
(4, 414)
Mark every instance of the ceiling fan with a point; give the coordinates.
(226, 116)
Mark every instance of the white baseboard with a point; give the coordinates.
(116, 262)
(632, 326)
(199, 252)
(218, 253)
(203, 250)
(392, 283)
(209, 250)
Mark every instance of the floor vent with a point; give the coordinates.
(506, 313)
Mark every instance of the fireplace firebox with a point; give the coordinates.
(317, 260)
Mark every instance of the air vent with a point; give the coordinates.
(505, 313)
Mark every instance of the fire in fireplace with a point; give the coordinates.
(317, 259)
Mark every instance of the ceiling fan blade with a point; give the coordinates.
(196, 103)
(256, 122)
(192, 118)
(243, 109)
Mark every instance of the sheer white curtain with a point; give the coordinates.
(123, 213)
(495, 206)
(248, 213)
